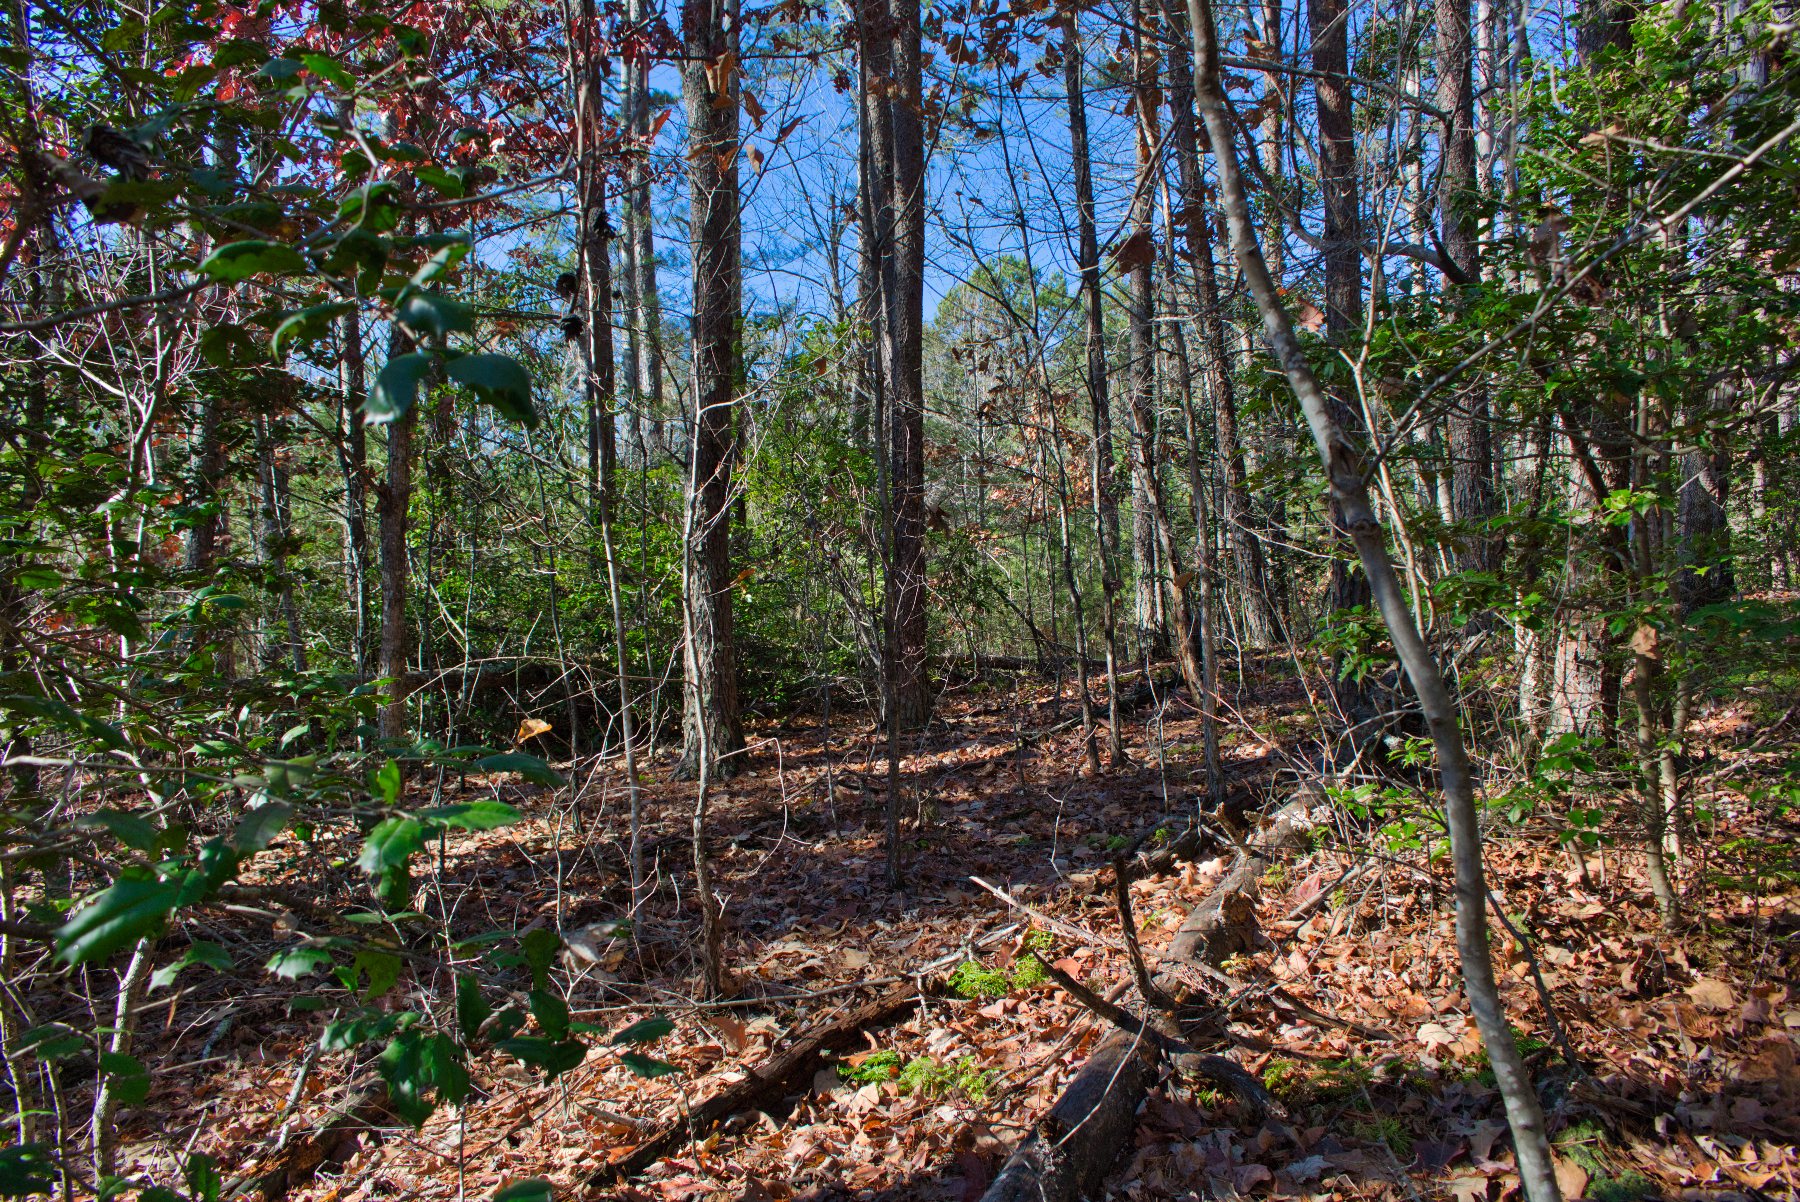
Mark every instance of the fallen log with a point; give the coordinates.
(768, 1083)
(331, 1144)
(1071, 1149)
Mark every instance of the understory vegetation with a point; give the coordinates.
(995, 599)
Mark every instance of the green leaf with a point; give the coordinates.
(383, 969)
(239, 52)
(647, 1066)
(133, 830)
(472, 815)
(499, 381)
(328, 70)
(540, 948)
(450, 183)
(230, 346)
(26, 1169)
(66, 717)
(386, 782)
(210, 954)
(433, 315)
(645, 1030)
(258, 827)
(375, 206)
(53, 1041)
(345, 1033)
(551, 1012)
(307, 325)
(442, 261)
(280, 70)
(237, 261)
(203, 1180)
(471, 1008)
(555, 1058)
(391, 844)
(127, 1076)
(416, 1065)
(532, 1189)
(530, 767)
(295, 962)
(114, 918)
(397, 387)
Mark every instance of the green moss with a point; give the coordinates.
(1627, 1187)
(880, 1066)
(1340, 1080)
(972, 981)
(1282, 1077)
(1028, 971)
(1581, 1143)
(926, 1077)
(976, 982)
(1385, 1130)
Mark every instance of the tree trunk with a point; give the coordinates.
(1261, 623)
(1472, 499)
(1147, 511)
(1346, 588)
(1100, 464)
(1344, 472)
(595, 255)
(903, 284)
(393, 499)
(712, 732)
(353, 463)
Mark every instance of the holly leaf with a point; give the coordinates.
(210, 954)
(433, 315)
(499, 381)
(472, 815)
(397, 387)
(127, 1078)
(534, 1189)
(530, 767)
(645, 1030)
(391, 844)
(114, 918)
(236, 261)
(258, 827)
(26, 1169)
(297, 962)
(647, 1067)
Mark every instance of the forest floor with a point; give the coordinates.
(1689, 1087)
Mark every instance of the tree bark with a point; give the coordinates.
(392, 502)
(353, 463)
(903, 282)
(1100, 462)
(1472, 497)
(712, 731)
(1259, 620)
(1343, 467)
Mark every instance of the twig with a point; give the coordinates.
(1128, 924)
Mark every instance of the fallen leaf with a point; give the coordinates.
(1712, 995)
(1571, 1178)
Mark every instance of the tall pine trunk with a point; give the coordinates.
(1100, 463)
(712, 731)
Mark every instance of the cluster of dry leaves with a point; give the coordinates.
(1685, 1086)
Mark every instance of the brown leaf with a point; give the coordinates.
(1139, 250)
(754, 107)
(1711, 995)
(1571, 1178)
(530, 728)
